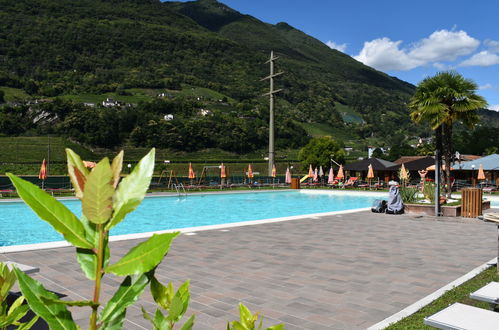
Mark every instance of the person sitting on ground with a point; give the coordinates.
(395, 204)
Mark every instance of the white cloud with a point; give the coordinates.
(492, 45)
(334, 45)
(384, 54)
(483, 58)
(494, 107)
(486, 86)
(443, 45)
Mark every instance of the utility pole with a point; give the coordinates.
(271, 106)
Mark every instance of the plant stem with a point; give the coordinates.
(98, 276)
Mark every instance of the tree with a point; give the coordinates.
(319, 152)
(377, 153)
(441, 101)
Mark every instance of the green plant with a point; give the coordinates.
(174, 302)
(105, 203)
(408, 194)
(10, 316)
(429, 191)
(247, 321)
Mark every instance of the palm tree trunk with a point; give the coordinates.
(438, 164)
(447, 139)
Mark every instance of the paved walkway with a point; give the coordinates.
(335, 272)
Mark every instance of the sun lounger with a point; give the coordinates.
(460, 317)
(489, 294)
(25, 268)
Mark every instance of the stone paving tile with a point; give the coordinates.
(332, 272)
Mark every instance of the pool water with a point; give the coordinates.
(20, 225)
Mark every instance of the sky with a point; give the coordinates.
(410, 40)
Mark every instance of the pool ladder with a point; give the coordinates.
(180, 189)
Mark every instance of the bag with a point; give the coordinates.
(401, 211)
(378, 206)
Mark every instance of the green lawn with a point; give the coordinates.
(348, 114)
(459, 294)
(14, 94)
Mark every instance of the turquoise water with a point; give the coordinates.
(19, 225)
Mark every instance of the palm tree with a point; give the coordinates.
(441, 101)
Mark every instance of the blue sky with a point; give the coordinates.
(406, 39)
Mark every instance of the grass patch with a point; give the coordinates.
(348, 114)
(14, 94)
(458, 294)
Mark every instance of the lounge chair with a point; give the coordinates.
(350, 182)
(488, 293)
(459, 316)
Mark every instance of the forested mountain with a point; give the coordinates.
(62, 51)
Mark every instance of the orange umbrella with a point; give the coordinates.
(432, 168)
(43, 171)
(340, 174)
(310, 172)
(250, 171)
(370, 172)
(222, 171)
(192, 175)
(481, 174)
(274, 171)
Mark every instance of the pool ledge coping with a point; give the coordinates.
(191, 230)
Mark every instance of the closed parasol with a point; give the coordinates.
(481, 174)
(340, 174)
(222, 171)
(192, 175)
(250, 171)
(370, 172)
(310, 171)
(43, 172)
(288, 176)
(316, 175)
(274, 171)
(330, 178)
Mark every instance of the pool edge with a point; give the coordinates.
(116, 238)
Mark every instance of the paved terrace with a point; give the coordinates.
(345, 271)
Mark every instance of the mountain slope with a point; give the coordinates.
(51, 48)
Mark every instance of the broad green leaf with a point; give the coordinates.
(245, 315)
(180, 302)
(26, 326)
(56, 315)
(18, 302)
(116, 323)
(15, 313)
(145, 314)
(77, 172)
(143, 257)
(52, 211)
(160, 321)
(189, 323)
(97, 201)
(7, 280)
(79, 303)
(276, 327)
(160, 294)
(86, 257)
(116, 168)
(132, 189)
(128, 292)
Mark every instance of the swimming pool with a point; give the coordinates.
(19, 225)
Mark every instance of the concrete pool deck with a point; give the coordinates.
(345, 271)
